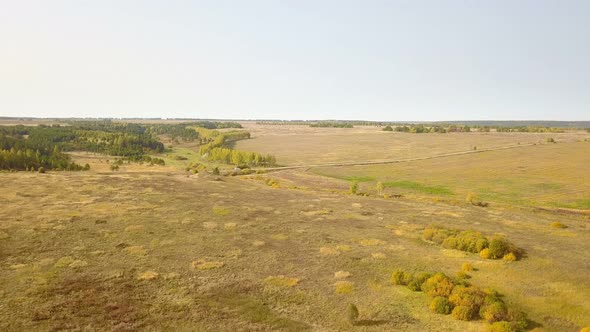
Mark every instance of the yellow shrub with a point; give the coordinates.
(438, 285)
(466, 267)
(510, 257)
(485, 253)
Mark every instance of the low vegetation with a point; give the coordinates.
(462, 300)
(495, 247)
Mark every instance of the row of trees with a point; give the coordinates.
(529, 129)
(332, 124)
(215, 149)
(240, 158)
(421, 129)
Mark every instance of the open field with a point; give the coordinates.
(159, 248)
(550, 175)
(135, 250)
(301, 145)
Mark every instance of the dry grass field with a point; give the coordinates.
(301, 145)
(154, 248)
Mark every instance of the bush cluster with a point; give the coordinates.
(462, 300)
(471, 241)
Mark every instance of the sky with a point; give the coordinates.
(412, 60)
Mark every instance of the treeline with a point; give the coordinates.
(240, 158)
(215, 124)
(331, 124)
(34, 160)
(215, 150)
(529, 129)
(175, 131)
(215, 139)
(421, 129)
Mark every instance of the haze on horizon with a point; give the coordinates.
(371, 60)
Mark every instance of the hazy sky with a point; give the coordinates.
(374, 60)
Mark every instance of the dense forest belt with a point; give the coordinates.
(394, 161)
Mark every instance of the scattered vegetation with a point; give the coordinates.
(462, 300)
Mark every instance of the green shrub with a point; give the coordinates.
(462, 313)
(498, 248)
(400, 277)
(518, 319)
(41, 169)
(468, 240)
(441, 305)
(418, 280)
(481, 244)
(450, 243)
(438, 285)
(463, 275)
(352, 313)
(494, 312)
(501, 327)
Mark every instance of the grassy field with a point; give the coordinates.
(159, 248)
(549, 175)
(300, 145)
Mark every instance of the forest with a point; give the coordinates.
(36, 147)
(26, 148)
